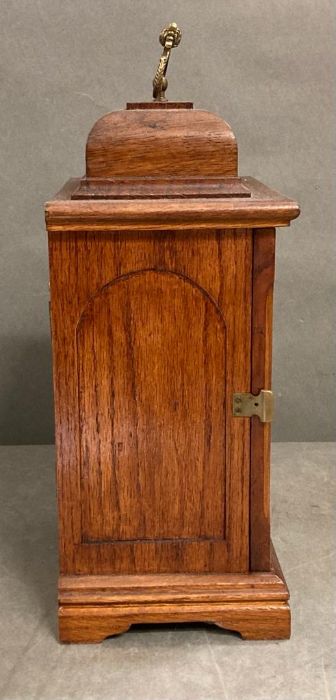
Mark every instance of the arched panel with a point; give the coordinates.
(151, 375)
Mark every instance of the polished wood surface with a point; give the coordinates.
(161, 141)
(264, 208)
(261, 378)
(160, 188)
(153, 469)
(146, 431)
(94, 607)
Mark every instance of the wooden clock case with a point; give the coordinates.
(161, 282)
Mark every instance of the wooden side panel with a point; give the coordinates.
(262, 308)
(200, 292)
(151, 364)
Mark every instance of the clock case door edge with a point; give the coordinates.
(263, 266)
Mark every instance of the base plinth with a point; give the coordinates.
(92, 608)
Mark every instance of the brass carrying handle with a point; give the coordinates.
(170, 37)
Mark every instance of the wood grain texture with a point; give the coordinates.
(152, 411)
(94, 607)
(161, 141)
(261, 378)
(264, 621)
(153, 469)
(264, 208)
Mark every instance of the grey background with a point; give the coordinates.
(266, 67)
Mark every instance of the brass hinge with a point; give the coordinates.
(260, 405)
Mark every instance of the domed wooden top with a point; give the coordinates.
(170, 139)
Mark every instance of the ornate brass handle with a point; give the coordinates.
(169, 38)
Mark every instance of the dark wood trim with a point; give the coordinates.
(159, 105)
(160, 188)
